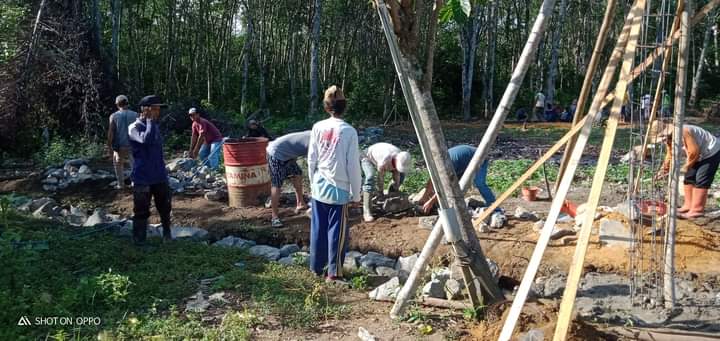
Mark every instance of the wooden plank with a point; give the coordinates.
(677, 145)
(546, 232)
(576, 267)
(530, 171)
(658, 97)
(587, 83)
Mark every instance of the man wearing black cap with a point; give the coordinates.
(149, 176)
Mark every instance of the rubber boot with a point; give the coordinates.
(687, 205)
(139, 231)
(698, 204)
(367, 207)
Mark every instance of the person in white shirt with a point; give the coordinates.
(378, 159)
(334, 169)
(539, 110)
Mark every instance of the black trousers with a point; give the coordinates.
(142, 196)
(702, 173)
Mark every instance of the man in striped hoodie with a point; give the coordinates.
(335, 180)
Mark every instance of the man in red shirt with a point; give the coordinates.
(206, 140)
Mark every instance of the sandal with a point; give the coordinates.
(300, 209)
(276, 222)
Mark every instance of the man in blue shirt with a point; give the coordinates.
(460, 157)
(150, 179)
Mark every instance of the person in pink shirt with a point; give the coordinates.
(206, 140)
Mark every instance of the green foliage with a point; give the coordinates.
(359, 281)
(12, 13)
(415, 181)
(456, 10)
(136, 299)
(114, 286)
(61, 149)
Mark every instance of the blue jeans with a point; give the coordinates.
(481, 184)
(370, 184)
(211, 153)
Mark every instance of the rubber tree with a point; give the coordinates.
(314, 52)
(469, 32)
(701, 62)
(555, 54)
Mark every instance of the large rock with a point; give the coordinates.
(497, 220)
(435, 288)
(197, 303)
(386, 272)
(428, 222)
(289, 249)
(615, 233)
(629, 210)
(193, 233)
(85, 170)
(98, 217)
(386, 291)
(373, 259)
(352, 261)
(180, 164)
(175, 185)
(396, 203)
(265, 251)
(453, 289)
(232, 241)
(404, 266)
(288, 260)
(35, 204)
(523, 214)
(415, 198)
(216, 195)
(474, 202)
(49, 210)
(533, 335)
(551, 286)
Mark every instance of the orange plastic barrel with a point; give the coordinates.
(246, 171)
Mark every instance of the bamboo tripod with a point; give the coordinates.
(408, 290)
(633, 24)
(475, 269)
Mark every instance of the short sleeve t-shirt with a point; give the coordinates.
(290, 146)
(212, 134)
(122, 119)
(381, 154)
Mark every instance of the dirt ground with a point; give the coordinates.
(697, 252)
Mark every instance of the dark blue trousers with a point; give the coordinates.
(329, 232)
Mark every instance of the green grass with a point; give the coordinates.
(136, 293)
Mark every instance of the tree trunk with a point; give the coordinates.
(115, 38)
(314, 61)
(553, 68)
(490, 69)
(701, 65)
(468, 42)
(247, 48)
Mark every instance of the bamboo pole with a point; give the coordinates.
(677, 144)
(576, 267)
(453, 211)
(564, 187)
(587, 83)
(696, 19)
(487, 142)
(658, 95)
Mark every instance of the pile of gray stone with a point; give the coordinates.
(187, 175)
(371, 135)
(444, 282)
(73, 172)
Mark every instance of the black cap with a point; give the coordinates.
(151, 100)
